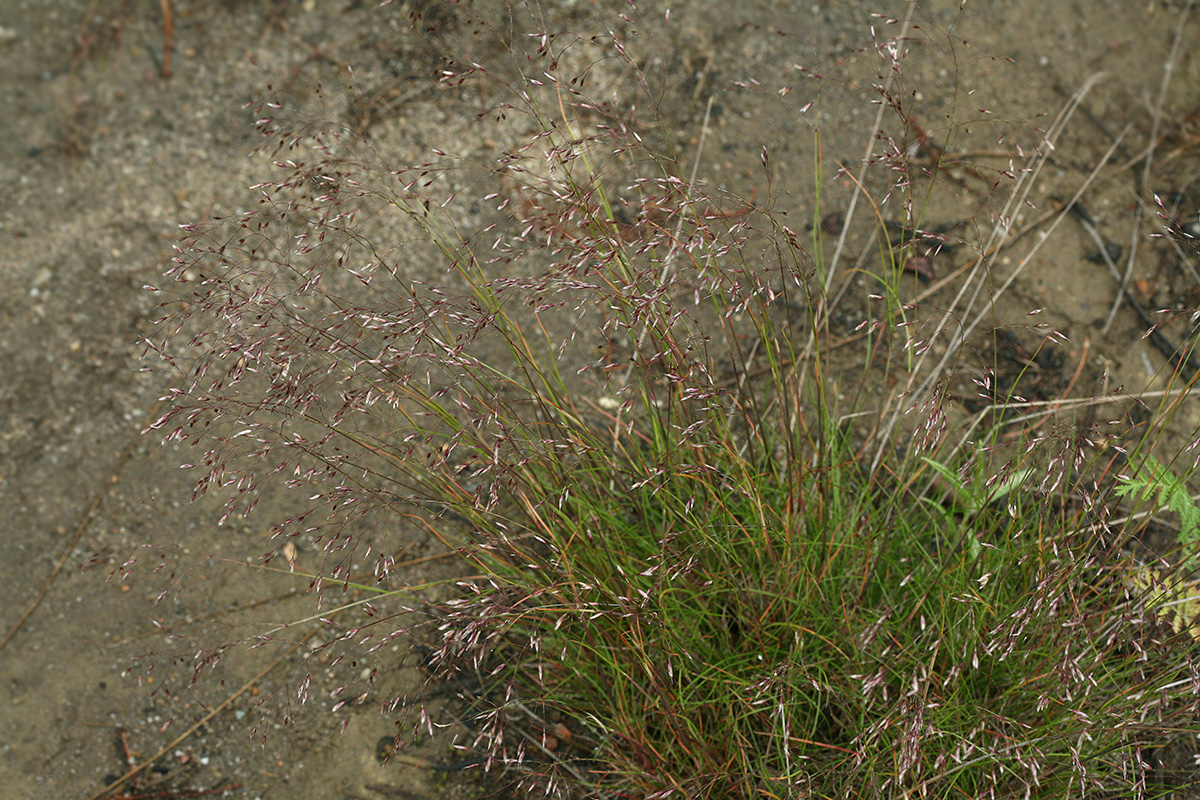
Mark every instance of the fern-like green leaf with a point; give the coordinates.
(1153, 481)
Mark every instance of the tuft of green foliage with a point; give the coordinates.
(726, 614)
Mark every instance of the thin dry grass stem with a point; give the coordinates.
(1185, 258)
(1037, 222)
(867, 159)
(290, 594)
(1076, 404)
(978, 280)
(868, 250)
(934, 288)
(138, 769)
(168, 38)
(560, 762)
(1120, 520)
(1054, 405)
(980, 276)
(668, 263)
(831, 269)
(1135, 234)
(81, 526)
(1019, 199)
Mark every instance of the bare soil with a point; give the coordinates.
(102, 158)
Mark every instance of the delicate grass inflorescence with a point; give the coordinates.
(634, 404)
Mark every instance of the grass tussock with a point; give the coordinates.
(701, 554)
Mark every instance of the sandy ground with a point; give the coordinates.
(101, 159)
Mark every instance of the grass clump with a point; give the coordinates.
(702, 557)
(743, 616)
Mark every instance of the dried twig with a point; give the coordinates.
(69, 547)
(168, 37)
